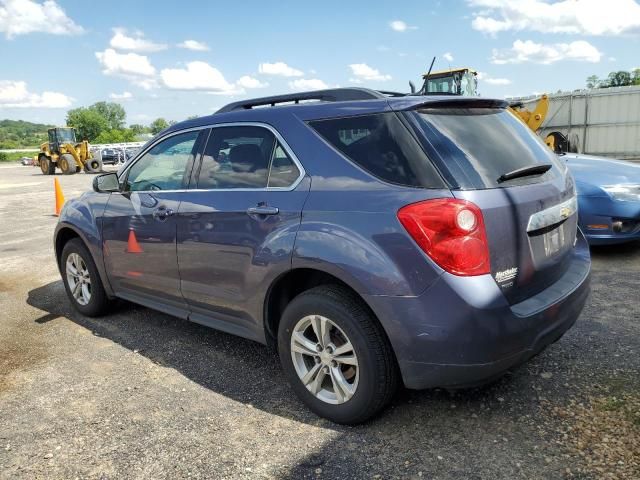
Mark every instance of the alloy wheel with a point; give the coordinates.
(324, 359)
(78, 279)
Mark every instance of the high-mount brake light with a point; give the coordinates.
(451, 232)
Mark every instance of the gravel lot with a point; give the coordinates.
(139, 394)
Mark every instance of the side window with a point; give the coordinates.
(283, 171)
(236, 157)
(165, 166)
(381, 145)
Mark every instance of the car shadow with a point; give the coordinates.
(621, 250)
(248, 372)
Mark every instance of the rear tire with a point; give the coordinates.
(82, 281)
(93, 165)
(367, 364)
(46, 165)
(67, 164)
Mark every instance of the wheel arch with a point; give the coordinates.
(63, 234)
(292, 283)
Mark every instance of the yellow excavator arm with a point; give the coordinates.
(533, 119)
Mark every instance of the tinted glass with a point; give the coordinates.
(236, 157)
(165, 166)
(381, 145)
(283, 171)
(478, 145)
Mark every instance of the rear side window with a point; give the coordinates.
(283, 171)
(236, 157)
(245, 157)
(478, 145)
(381, 145)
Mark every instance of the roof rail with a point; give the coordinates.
(329, 95)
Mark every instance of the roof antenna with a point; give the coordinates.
(424, 91)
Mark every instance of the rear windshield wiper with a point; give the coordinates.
(537, 169)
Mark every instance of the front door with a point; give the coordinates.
(236, 231)
(139, 224)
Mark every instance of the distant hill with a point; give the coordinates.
(19, 134)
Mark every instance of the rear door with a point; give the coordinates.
(531, 221)
(139, 224)
(236, 228)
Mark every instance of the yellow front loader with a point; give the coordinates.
(63, 151)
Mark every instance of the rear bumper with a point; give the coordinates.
(461, 332)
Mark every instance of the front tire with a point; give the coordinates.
(82, 281)
(67, 164)
(336, 356)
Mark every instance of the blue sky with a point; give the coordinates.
(128, 51)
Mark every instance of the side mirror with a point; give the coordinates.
(105, 183)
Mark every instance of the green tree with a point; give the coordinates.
(158, 125)
(137, 128)
(619, 79)
(87, 122)
(635, 77)
(113, 113)
(116, 135)
(593, 81)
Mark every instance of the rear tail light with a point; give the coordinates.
(451, 232)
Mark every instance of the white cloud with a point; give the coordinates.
(486, 78)
(279, 68)
(135, 42)
(19, 17)
(447, 56)
(400, 26)
(197, 76)
(14, 94)
(126, 64)
(121, 96)
(584, 17)
(362, 71)
(135, 68)
(194, 45)
(302, 84)
(249, 82)
(529, 51)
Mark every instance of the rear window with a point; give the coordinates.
(383, 146)
(477, 145)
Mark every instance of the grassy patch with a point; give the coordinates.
(15, 156)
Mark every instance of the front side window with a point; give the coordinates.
(164, 167)
(245, 157)
(381, 145)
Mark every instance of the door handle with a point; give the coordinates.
(162, 213)
(263, 210)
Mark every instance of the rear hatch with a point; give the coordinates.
(531, 215)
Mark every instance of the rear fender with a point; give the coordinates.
(371, 263)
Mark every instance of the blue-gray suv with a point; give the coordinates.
(372, 239)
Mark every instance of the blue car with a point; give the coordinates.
(373, 241)
(608, 198)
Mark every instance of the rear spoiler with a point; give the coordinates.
(458, 102)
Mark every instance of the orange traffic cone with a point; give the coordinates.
(132, 244)
(59, 196)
